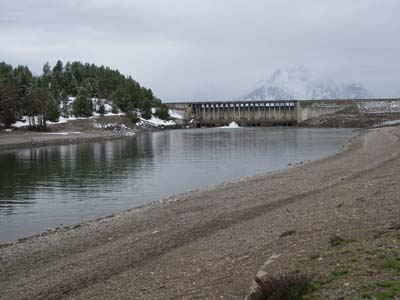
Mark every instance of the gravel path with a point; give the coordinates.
(209, 244)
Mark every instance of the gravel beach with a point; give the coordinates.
(209, 244)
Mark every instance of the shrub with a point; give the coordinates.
(162, 112)
(336, 241)
(133, 118)
(285, 287)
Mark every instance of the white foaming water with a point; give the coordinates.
(232, 124)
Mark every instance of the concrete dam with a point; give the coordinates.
(276, 113)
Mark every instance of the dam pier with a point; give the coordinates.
(277, 112)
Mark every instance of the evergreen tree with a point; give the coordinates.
(82, 106)
(65, 110)
(46, 74)
(40, 106)
(102, 109)
(71, 85)
(6, 73)
(114, 109)
(145, 109)
(162, 112)
(8, 103)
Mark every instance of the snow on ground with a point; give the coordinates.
(232, 124)
(177, 114)
(388, 123)
(156, 122)
(61, 133)
(107, 107)
(25, 122)
(392, 122)
(114, 126)
(62, 120)
(19, 124)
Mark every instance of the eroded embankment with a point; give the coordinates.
(209, 244)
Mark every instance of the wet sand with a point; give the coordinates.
(209, 244)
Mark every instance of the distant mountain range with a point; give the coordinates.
(298, 83)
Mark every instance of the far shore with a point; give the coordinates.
(209, 244)
(73, 132)
(29, 139)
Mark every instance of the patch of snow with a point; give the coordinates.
(21, 123)
(129, 133)
(25, 121)
(177, 114)
(232, 124)
(117, 114)
(61, 133)
(389, 123)
(392, 122)
(62, 120)
(157, 122)
(107, 107)
(115, 127)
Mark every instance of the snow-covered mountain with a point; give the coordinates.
(298, 83)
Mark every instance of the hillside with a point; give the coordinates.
(71, 90)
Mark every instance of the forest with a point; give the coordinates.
(45, 97)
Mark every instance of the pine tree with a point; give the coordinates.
(6, 73)
(82, 106)
(145, 109)
(102, 109)
(162, 112)
(40, 106)
(8, 103)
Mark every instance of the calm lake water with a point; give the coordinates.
(62, 185)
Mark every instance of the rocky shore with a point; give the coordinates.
(337, 219)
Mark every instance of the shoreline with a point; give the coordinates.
(193, 233)
(73, 132)
(23, 140)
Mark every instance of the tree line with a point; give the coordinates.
(46, 96)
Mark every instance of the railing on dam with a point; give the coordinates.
(245, 113)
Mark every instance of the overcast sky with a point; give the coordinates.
(209, 49)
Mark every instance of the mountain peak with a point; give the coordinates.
(299, 83)
(293, 74)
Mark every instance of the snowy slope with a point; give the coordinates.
(298, 83)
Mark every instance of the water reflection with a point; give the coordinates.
(46, 187)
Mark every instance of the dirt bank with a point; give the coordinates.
(209, 244)
(76, 131)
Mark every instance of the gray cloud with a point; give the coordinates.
(209, 49)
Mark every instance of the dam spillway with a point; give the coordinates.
(260, 113)
(276, 112)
